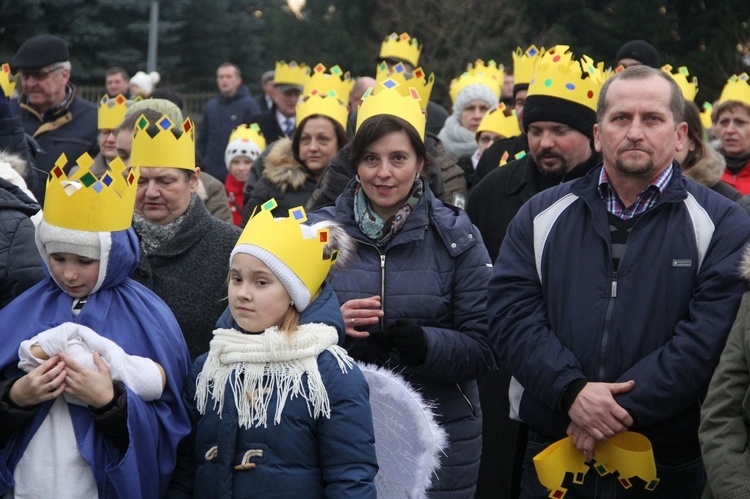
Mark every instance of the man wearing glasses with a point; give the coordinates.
(49, 109)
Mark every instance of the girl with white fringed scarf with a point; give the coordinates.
(278, 408)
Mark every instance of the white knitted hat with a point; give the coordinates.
(145, 81)
(78, 242)
(476, 91)
(241, 147)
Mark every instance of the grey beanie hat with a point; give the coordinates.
(78, 242)
(476, 91)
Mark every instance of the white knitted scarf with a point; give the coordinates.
(256, 365)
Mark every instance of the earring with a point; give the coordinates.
(356, 177)
(291, 303)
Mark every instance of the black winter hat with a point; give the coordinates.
(641, 51)
(40, 51)
(548, 108)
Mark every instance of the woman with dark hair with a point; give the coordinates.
(699, 160)
(293, 166)
(414, 298)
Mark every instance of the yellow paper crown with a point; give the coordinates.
(524, 63)
(402, 80)
(707, 115)
(689, 87)
(384, 100)
(163, 149)
(251, 133)
(737, 88)
(490, 75)
(291, 73)
(85, 202)
(558, 75)
(496, 121)
(629, 454)
(112, 111)
(324, 82)
(7, 81)
(401, 47)
(327, 104)
(283, 238)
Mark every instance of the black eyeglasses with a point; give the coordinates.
(38, 75)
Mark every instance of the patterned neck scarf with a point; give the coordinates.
(379, 230)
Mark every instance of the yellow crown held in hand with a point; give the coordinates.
(290, 74)
(524, 64)
(383, 100)
(737, 88)
(84, 202)
(250, 133)
(496, 121)
(558, 75)
(7, 82)
(401, 48)
(490, 75)
(283, 238)
(401, 79)
(112, 111)
(689, 87)
(162, 144)
(325, 82)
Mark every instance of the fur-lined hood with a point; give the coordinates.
(281, 169)
(709, 169)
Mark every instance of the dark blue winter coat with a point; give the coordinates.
(559, 311)
(221, 115)
(72, 130)
(302, 456)
(435, 273)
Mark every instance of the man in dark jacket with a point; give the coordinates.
(232, 106)
(613, 295)
(559, 137)
(48, 106)
(20, 263)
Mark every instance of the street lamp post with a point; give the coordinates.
(153, 36)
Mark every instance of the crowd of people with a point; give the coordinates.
(556, 264)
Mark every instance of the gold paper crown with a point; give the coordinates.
(334, 80)
(384, 100)
(737, 88)
(84, 202)
(112, 111)
(401, 47)
(707, 115)
(399, 78)
(496, 121)
(327, 104)
(7, 81)
(251, 133)
(164, 149)
(283, 238)
(689, 87)
(490, 75)
(558, 75)
(524, 64)
(290, 74)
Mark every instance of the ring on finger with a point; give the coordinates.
(353, 322)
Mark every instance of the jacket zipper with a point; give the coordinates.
(382, 289)
(607, 324)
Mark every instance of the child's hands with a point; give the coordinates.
(45, 382)
(93, 388)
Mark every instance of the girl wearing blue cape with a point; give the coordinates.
(110, 442)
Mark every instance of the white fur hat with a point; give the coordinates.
(241, 147)
(146, 82)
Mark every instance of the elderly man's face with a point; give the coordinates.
(164, 193)
(637, 135)
(45, 87)
(286, 102)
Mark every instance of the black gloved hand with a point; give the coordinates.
(410, 340)
(378, 349)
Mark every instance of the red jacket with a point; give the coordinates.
(741, 181)
(236, 198)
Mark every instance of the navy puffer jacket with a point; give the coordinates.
(435, 273)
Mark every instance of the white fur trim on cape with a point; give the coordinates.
(408, 439)
(254, 366)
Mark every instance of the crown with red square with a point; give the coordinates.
(163, 144)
